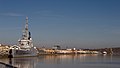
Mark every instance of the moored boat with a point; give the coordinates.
(25, 45)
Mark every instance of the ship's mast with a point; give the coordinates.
(26, 32)
(26, 25)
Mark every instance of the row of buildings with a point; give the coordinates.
(4, 50)
(58, 50)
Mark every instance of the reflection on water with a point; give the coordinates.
(58, 59)
(66, 61)
(28, 62)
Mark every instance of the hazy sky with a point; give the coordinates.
(68, 23)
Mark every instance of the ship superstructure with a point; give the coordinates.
(26, 41)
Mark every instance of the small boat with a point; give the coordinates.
(25, 45)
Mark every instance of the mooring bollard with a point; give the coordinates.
(10, 54)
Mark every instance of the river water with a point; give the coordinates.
(65, 61)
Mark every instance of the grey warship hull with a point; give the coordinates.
(23, 52)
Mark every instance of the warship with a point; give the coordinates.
(25, 44)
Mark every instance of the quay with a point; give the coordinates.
(4, 65)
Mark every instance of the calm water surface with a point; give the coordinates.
(66, 61)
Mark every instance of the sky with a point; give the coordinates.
(68, 23)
